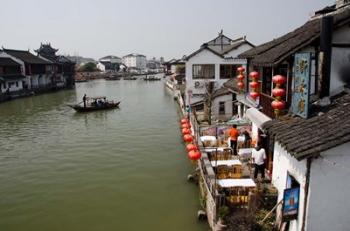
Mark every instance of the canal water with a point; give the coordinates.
(123, 169)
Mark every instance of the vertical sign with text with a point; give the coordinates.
(301, 90)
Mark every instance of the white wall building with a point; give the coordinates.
(135, 60)
(317, 162)
(216, 61)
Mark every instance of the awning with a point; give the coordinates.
(257, 117)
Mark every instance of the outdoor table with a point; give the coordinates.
(239, 190)
(208, 140)
(231, 183)
(227, 168)
(225, 163)
(245, 152)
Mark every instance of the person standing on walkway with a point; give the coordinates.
(233, 132)
(84, 100)
(259, 157)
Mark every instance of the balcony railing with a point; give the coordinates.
(265, 103)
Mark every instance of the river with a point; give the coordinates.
(122, 169)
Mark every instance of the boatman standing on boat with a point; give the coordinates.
(84, 100)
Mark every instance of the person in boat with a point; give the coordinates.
(84, 100)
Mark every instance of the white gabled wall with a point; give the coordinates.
(283, 163)
(207, 57)
(228, 107)
(329, 190)
(340, 60)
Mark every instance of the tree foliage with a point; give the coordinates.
(88, 67)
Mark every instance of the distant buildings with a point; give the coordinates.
(134, 60)
(22, 72)
(109, 63)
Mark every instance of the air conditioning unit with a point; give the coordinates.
(198, 84)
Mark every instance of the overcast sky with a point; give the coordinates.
(169, 28)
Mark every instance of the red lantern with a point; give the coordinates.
(278, 92)
(188, 138)
(254, 85)
(184, 120)
(241, 69)
(194, 155)
(279, 79)
(240, 85)
(278, 105)
(186, 131)
(191, 147)
(240, 77)
(254, 74)
(187, 125)
(254, 94)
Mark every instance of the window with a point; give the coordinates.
(228, 71)
(221, 108)
(205, 71)
(16, 83)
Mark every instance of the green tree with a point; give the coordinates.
(88, 67)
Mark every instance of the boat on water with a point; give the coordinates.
(112, 78)
(130, 78)
(151, 78)
(95, 104)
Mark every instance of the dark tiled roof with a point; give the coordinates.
(232, 85)
(277, 50)
(8, 62)
(220, 49)
(220, 92)
(304, 138)
(26, 56)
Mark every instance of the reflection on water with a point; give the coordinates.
(122, 169)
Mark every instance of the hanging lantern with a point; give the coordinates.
(240, 78)
(278, 105)
(194, 155)
(187, 125)
(278, 92)
(188, 138)
(254, 94)
(240, 85)
(191, 147)
(254, 85)
(279, 79)
(184, 120)
(186, 131)
(241, 69)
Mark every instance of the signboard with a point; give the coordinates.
(290, 204)
(301, 91)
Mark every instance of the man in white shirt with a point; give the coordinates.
(259, 157)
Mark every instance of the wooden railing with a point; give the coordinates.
(265, 103)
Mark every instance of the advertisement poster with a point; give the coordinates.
(290, 204)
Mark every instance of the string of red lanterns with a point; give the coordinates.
(254, 85)
(240, 78)
(193, 151)
(278, 92)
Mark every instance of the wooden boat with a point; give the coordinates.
(95, 104)
(151, 78)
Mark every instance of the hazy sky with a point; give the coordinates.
(169, 28)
